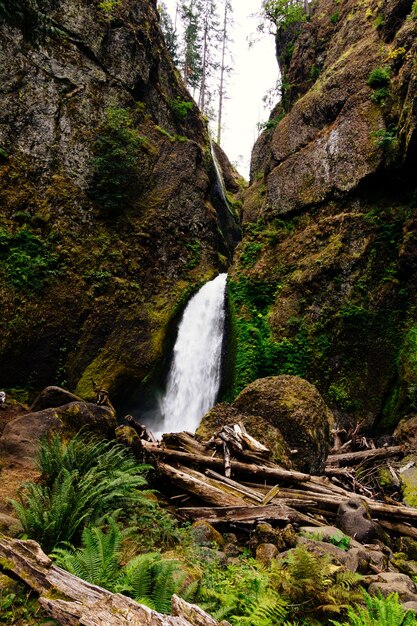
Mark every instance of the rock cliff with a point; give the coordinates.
(109, 216)
(323, 281)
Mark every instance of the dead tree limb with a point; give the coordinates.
(70, 600)
(350, 458)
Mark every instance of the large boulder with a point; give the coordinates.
(353, 518)
(285, 413)
(52, 397)
(20, 439)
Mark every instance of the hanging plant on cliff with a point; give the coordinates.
(283, 13)
(117, 163)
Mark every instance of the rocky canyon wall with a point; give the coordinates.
(108, 217)
(323, 283)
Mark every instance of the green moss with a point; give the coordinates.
(256, 353)
(117, 161)
(180, 108)
(195, 253)
(250, 253)
(26, 260)
(379, 77)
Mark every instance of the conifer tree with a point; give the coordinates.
(224, 68)
(169, 30)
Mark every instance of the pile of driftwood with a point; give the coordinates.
(231, 480)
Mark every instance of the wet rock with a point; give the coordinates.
(408, 547)
(391, 582)
(20, 438)
(10, 525)
(265, 553)
(353, 519)
(204, 534)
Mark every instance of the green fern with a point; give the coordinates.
(313, 586)
(79, 487)
(379, 611)
(97, 561)
(270, 609)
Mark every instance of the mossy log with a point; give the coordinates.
(70, 600)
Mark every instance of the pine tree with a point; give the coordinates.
(224, 69)
(170, 32)
(211, 34)
(190, 14)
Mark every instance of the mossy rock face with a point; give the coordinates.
(296, 409)
(98, 253)
(322, 284)
(286, 414)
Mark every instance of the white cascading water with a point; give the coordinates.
(194, 377)
(219, 176)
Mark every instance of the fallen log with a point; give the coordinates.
(260, 471)
(193, 483)
(350, 458)
(399, 528)
(70, 600)
(246, 491)
(247, 514)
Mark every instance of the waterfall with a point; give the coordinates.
(219, 176)
(194, 377)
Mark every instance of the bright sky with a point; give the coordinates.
(255, 71)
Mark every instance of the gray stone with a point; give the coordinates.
(20, 439)
(392, 582)
(353, 519)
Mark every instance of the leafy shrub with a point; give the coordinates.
(384, 137)
(379, 77)
(180, 108)
(195, 253)
(250, 253)
(283, 13)
(335, 17)
(414, 10)
(116, 165)
(81, 482)
(313, 587)
(26, 259)
(240, 593)
(380, 95)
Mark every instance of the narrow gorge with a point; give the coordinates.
(210, 383)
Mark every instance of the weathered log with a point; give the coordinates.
(350, 458)
(399, 528)
(82, 603)
(227, 463)
(260, 471)
(247, 514)
(183, 441)
(195, 483)
(246, 491)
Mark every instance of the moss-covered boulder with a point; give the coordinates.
(285, 413)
